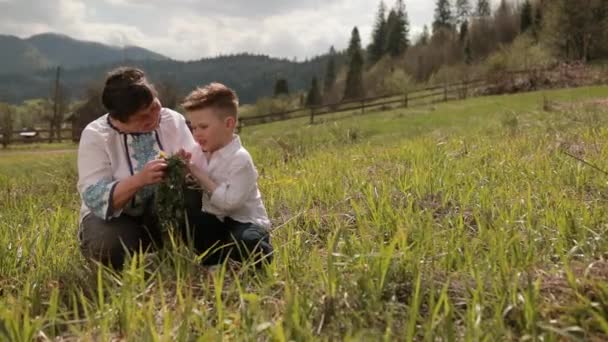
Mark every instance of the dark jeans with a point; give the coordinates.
(219, 240)
(109, 242)
(240, 241)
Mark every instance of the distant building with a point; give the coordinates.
(28, 133)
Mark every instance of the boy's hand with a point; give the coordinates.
(195, 170)
(202, 177)
(186, 156)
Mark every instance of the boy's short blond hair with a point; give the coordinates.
(214, 95)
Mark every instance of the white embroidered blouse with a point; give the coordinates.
(107, 155)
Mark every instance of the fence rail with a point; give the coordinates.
(446, 92)
(435, 93)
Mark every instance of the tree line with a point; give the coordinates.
(463, 32)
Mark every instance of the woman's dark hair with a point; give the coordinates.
(126, 91)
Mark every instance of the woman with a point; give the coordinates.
(118, 167)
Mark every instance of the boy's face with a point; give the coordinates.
(210, 130)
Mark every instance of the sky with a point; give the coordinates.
(193, 29)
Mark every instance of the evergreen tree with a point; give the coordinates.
(443, 16)
(483, 8)
(537, 24)
(379, 35)
(391, 21)
(330, 72)
(398, 31)
(464, 31)
(354, 78)
(425, 36)
(463, 11)
(506, 23)
(468, 54)
(527, 17)
(281, 87)
(314, 94)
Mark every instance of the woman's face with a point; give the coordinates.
(146, 119)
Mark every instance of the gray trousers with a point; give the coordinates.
(109, 242)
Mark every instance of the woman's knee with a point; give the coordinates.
(109, 242)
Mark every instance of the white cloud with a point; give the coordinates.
(192, 29)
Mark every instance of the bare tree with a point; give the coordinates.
(6, 116)
(91, 109)
(167, 93)
(482, 40)
(58, 103)
(577, 29)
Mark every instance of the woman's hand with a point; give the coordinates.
(152, 173)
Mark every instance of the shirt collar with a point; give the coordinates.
(229, 149)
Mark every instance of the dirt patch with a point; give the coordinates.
(558, 288)
(441, 209)
(602, 103)
(562, 75)
(571, 298)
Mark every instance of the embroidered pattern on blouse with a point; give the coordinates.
(143, 149)
(97, 197)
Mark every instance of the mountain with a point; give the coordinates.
(70, 53)
(252, 76)
(49, 50)
(19, 56)
(27, 68)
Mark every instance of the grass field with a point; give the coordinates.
(459, 221)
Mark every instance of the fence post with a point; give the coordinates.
(363, 106)
(445, 92)
(406, 100)
(312, 115)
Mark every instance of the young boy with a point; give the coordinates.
(233, 221)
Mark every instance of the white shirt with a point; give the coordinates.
(107, 155)
(237, 195)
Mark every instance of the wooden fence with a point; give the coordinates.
(35, 136)
(415, 97)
